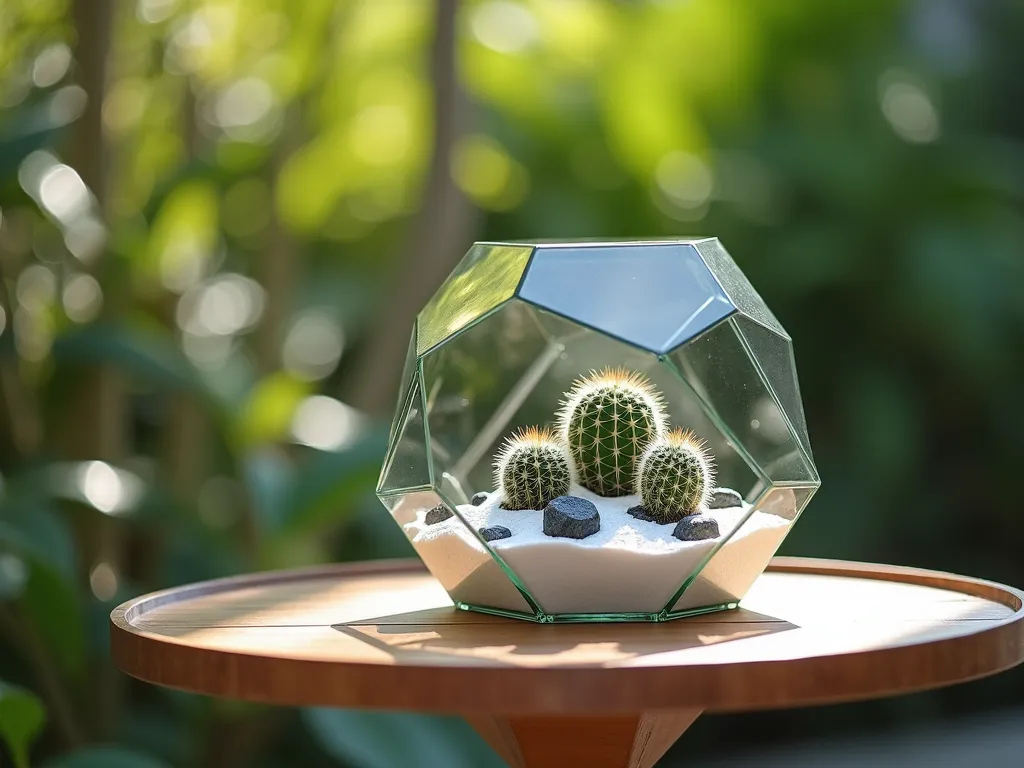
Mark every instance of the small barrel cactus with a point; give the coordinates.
(532, 469)
(675, 476)
(607, 420)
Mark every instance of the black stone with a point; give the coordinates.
(495, 532)
(640, 513)
(723, 498)
(479, 498)
(696, 528)
(571, 517)
(438, 514)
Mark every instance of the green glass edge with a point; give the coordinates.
(745, 342)
(410, 352)
(712, 413)
(475, 322)
(426, 421)
(403, 491)
(389, 457)
(512, 577)
(714, 240)
(813, 490)
(528, 258)
(595, 618)
(716, 549)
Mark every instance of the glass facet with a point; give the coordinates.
(729, 573)
(653, 296)
(470, 574)
(487, 276)
(497, 350)
(407, 463)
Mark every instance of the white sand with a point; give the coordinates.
(628, 566)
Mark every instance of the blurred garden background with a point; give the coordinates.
(218, 218)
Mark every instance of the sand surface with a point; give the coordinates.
(629, 565)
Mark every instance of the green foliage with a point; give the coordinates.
(674, 476)
(369, 740)
(607, 420)
(21, 719)
(532, 469)
(105, 757)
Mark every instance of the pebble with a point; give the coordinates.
(723, 498)
(571, 517)
(438, 514)
(493, 532)
(479, 498)
(696, 528)
(640, 513)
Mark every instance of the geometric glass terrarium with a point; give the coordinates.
(606, 511)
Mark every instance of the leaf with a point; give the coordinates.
(268, 476)
(106, 757)
(21, 719)
(13, 576)
(150, 355)
(326, 486)
(268, 409)
(34, 530)
(398, 740)
(51, 603)
(31, 127)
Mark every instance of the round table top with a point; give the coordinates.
(385, 635)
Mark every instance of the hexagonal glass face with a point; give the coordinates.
(647, 533)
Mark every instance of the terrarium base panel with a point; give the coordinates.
(606, 618)
(629, 570)
(385, 636)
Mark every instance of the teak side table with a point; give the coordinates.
(385, 635)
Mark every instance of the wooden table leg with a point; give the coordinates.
(618, 741)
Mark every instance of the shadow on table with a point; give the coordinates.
(422, 635)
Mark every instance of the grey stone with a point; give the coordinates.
(571, 517)
(640, 513)
(438, 514)
(723, 498)
(479, 498)
(696, 528)
(495, 532)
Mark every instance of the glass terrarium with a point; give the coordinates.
(598, 431)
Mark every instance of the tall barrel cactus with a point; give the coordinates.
(675, 476)
(607, 420)
(532, 469)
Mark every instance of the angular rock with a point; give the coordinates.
(438, 514)
(696, 528)
(640, 513)
(479, 498)
(493, 532)
(723, 498)
(571, 517)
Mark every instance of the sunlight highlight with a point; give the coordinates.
(327, 424)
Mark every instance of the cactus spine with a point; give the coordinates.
(532, 469)
(675, 476)
(607, 420)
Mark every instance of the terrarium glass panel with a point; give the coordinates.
(572, 452)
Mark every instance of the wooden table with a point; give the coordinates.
(385, 635)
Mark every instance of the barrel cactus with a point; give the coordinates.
(532, 469)
(675, 476)
(607, 420)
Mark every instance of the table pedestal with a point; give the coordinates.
(612, 741)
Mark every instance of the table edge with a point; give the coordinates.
(996, 646)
